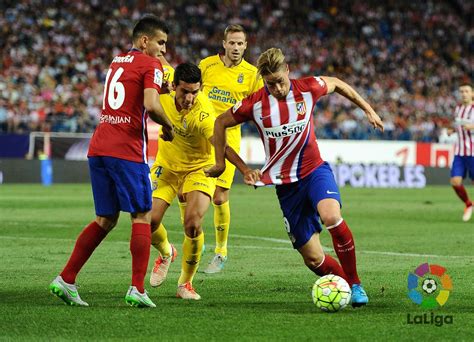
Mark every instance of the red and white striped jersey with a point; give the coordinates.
(464, 114)
(286, 129)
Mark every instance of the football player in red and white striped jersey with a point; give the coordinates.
(306, 188)
(464, 151)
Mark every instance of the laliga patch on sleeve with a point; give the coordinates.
(236, 106)
(158, 79)
(320, 81)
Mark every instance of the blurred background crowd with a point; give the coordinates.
(406, 57)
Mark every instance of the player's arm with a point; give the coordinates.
(468, 126)
(222, 150)
(152, 104)
(336, 85)
(233, 157)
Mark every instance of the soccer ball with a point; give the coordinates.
(331, 293)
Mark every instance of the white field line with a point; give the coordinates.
(259, 238)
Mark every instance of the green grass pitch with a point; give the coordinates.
(264, 292)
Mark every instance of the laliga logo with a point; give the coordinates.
(429, 286)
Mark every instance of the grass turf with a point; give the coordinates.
(264, 292)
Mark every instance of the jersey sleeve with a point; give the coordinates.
(318, 87)
(153, 75)
(243, 110)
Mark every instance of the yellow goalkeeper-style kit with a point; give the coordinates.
(181, 162)
(224, 87)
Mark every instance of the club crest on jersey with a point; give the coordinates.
(301, 108)
(203, 115)
(240, 79)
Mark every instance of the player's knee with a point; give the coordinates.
(220, 197)
(455, 181)
(192, 226)
(155, 222)
(331, 219)
(314, 261)
(107, 223)
(154, 225)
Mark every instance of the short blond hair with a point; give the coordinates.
(271, 61)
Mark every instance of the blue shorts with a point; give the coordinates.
(120, 185)
(299, 200)
(461, 165)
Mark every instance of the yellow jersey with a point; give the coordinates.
(225, 86)
(168, 73)
(190, 149)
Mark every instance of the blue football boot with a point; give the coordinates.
(359, 297)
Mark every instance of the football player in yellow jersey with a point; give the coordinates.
(226, 80)
(179, 165)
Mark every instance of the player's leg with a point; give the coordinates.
(133, 184)
(303, 228)
(182, 205)
(326, 200)
(91, 236)
(221, 219)
(198, 190)
(165, 186)
(107, 210)
(458, 172)
(343, 241)
(140, 242)
(159, 240)
(317, 261)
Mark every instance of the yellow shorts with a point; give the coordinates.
(227, 178)
(166, 183)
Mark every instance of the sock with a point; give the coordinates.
(159, 240)
(90, 237)
(462, 194)
(140, 249)
(192, 248)
(344, 246)
(329, 266)
(221, 224)
(182, 210)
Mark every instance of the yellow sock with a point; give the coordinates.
(192, 248)
(182, 209)
(159, 240)
(221, 224)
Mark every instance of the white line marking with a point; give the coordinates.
(326, 249)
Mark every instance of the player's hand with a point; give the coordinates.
(166, 87)
(374, 119)
(252, 176)
(167, 134)
(215, 171)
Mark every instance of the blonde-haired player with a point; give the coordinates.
(179, 165)
(226, 80)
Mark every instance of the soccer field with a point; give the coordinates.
(264, 292)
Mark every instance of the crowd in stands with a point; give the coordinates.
(406, 57)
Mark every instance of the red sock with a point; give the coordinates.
(140, 243)
(329, 266)
(462, 194)
(86, 243)
(345, 249)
